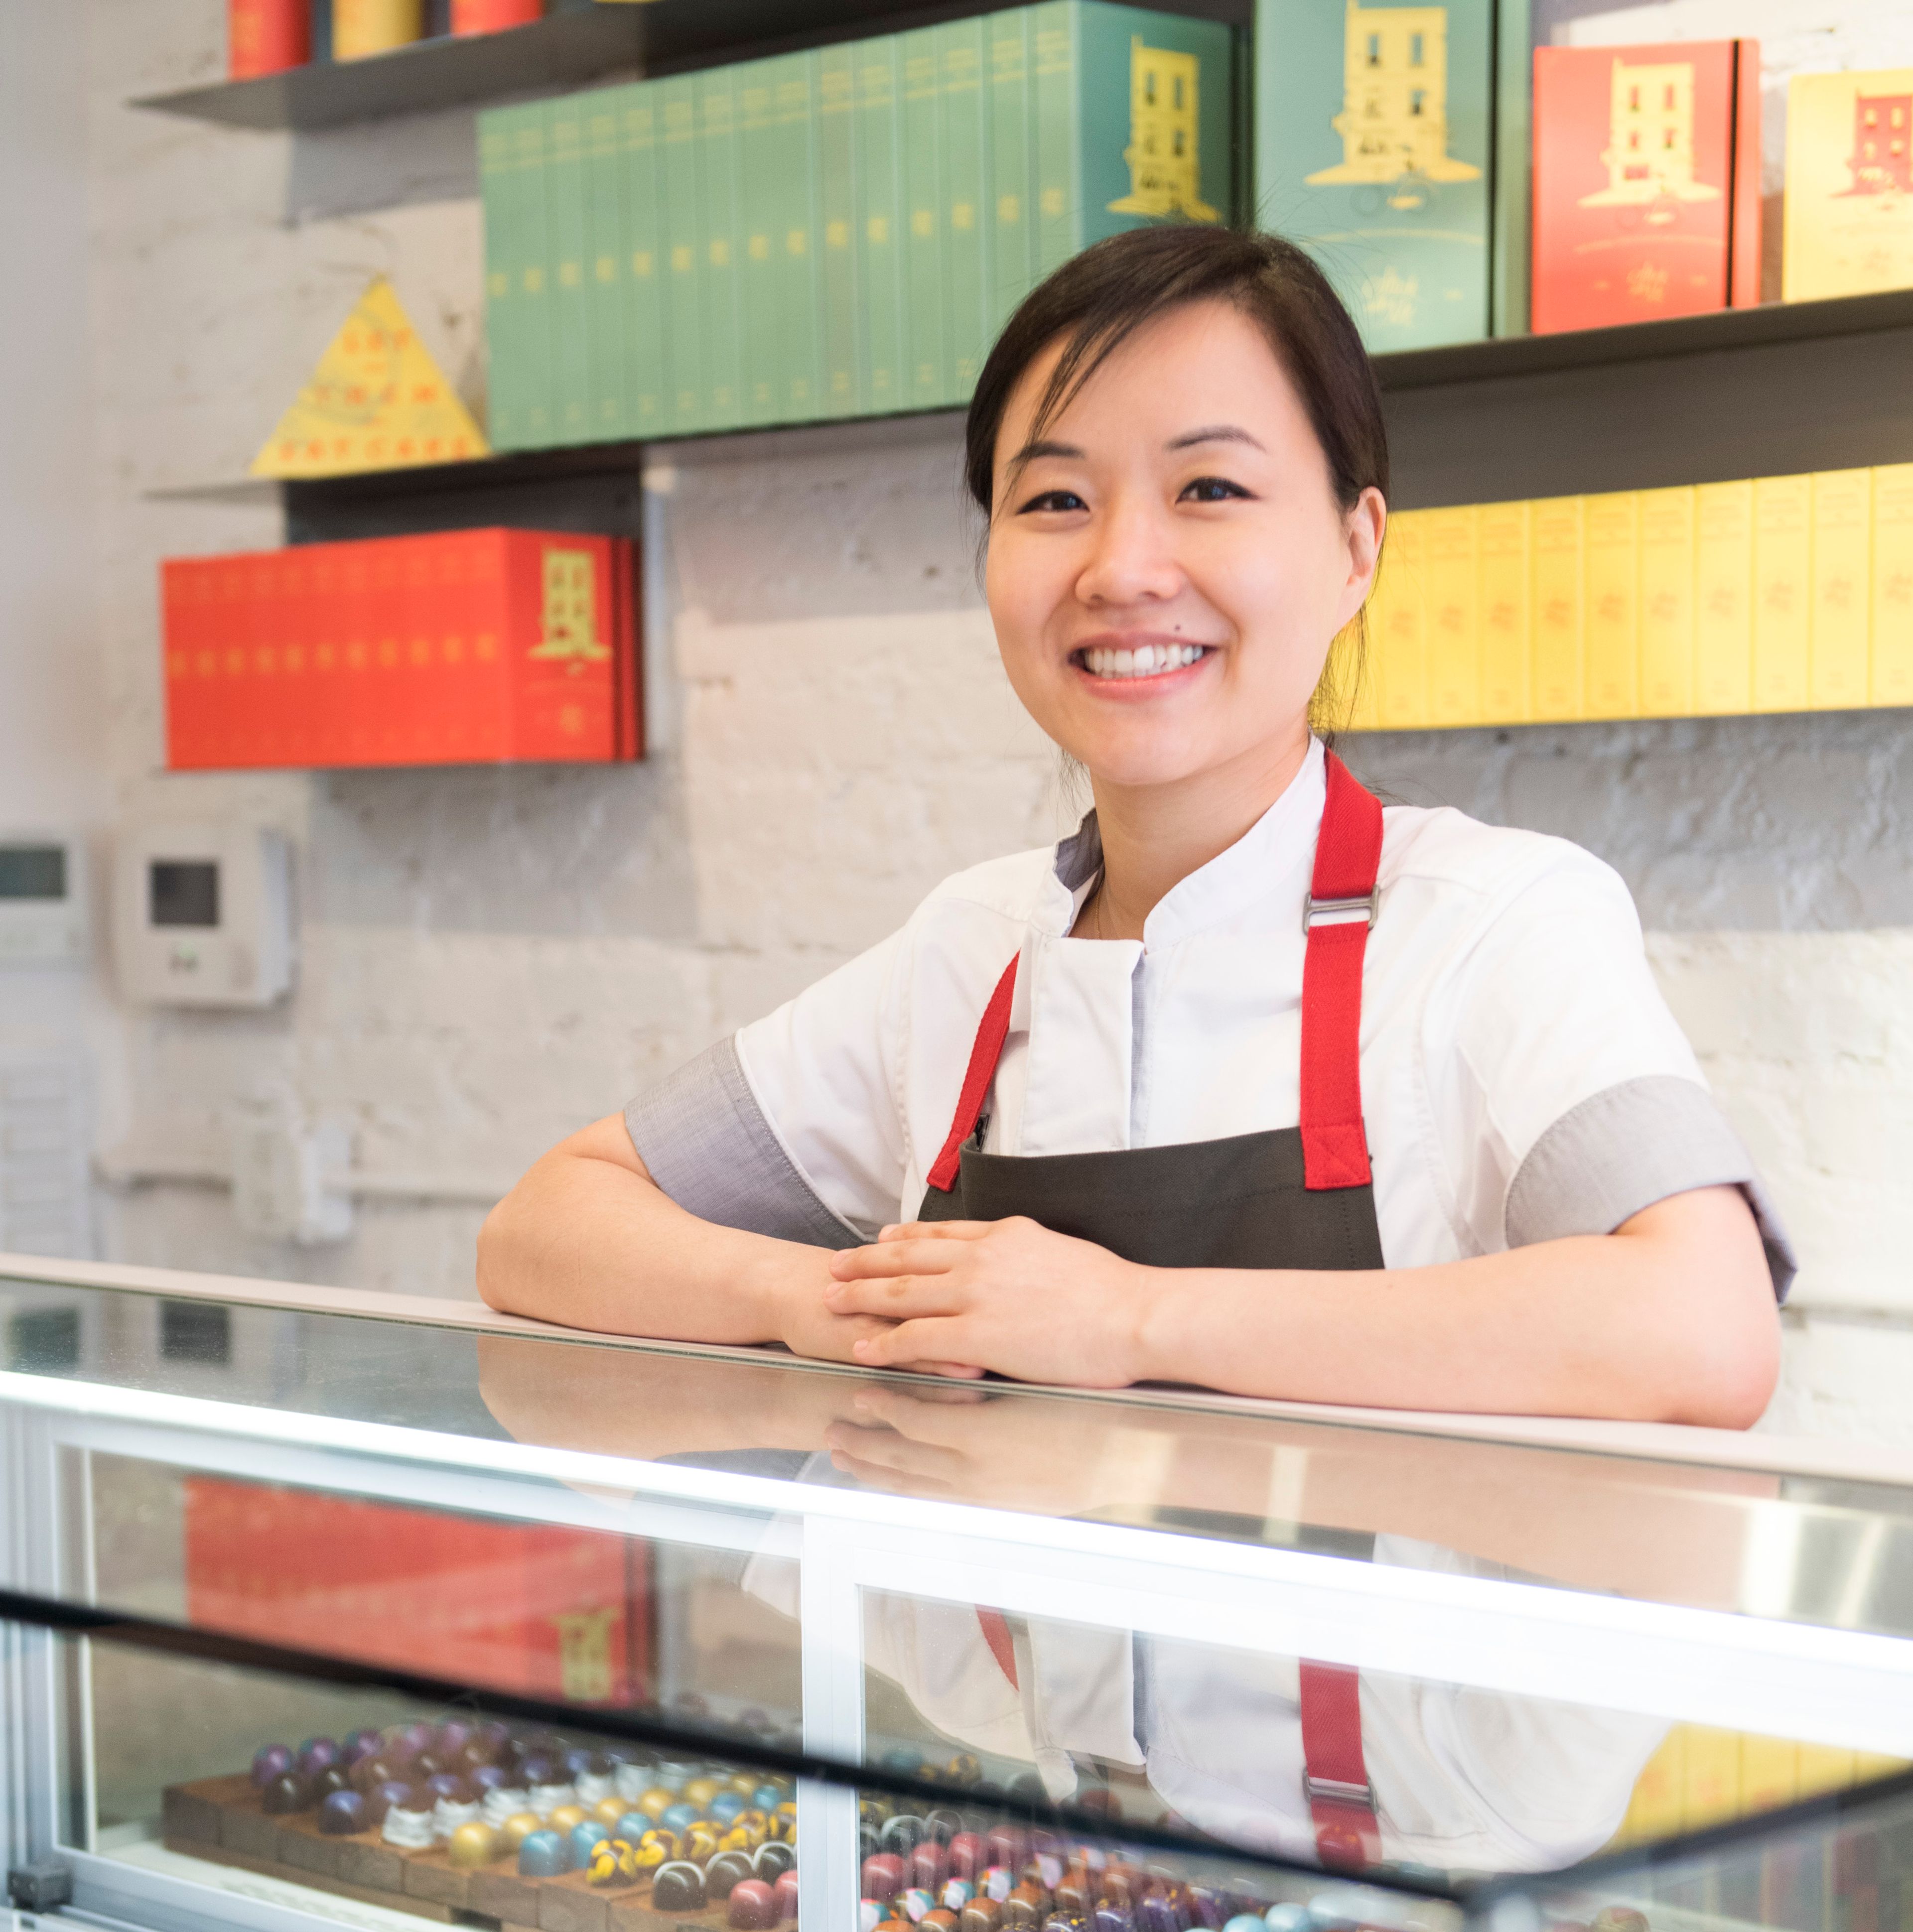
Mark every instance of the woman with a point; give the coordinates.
(1249, 1084)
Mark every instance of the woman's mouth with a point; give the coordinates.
(1104, 661)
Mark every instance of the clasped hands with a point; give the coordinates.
(963, 1298)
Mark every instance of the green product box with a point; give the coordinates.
(604, 268)
(878, 160)
(1135, 114)
(565, 215)
(507, 365)
(684, 252)
(837, 222)
(1012, 121)
(925, 274)
(965, 99)
(646, 357)
(528, 366)
(795, 293)
(721, 220)
(760, 199)
(1374, 149)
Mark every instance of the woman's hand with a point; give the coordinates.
(1009, 1296)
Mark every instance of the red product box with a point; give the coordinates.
(1646, 182)
(535, 1608)
(493, 17)
(459, 647)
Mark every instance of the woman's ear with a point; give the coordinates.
(1364, 526)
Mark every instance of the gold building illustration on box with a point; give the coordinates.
(1649, 154)
(1394, 121)
(1164, 153)
(1880, 163)
(569, 619)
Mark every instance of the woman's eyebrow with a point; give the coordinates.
(1215, 433)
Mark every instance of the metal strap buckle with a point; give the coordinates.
(1340, 912)
(1337, 1791)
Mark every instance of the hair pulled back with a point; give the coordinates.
(1100, 298)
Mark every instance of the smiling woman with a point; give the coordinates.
(1249, 1084)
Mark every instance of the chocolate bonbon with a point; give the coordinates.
(408, 1825)
(473, 1844)
(612, 1862)
(677, 1887)
(752, 1905)
(285, 1794)
(544, 1854)
(271, 1761)
(344, 1813)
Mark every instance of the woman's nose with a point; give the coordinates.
(1133, 558)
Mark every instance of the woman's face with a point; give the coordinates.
(1168, 565)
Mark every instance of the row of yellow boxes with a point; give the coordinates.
(1782, 593)
(1701, 1777)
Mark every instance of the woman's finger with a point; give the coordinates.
(955, 1231)
(885, 1447)
(895, 1297)
(894, 1257)
(935, 1338)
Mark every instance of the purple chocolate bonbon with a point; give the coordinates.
(271, 1761)
(344, 1813)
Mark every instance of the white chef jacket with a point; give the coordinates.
(1464, 1777)
(1522, 1078)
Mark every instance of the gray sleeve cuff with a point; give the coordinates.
(706, 1142)
(1625, 1148)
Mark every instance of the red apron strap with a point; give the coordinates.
(1340, 910)
(1342, 1801)
(983, 1056)
(996, 1628)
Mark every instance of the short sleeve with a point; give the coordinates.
(790, 1128)
(1560, 1085)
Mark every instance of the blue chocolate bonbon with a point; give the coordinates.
(585, 1839)
(544, 1854)
(679, 1817)
(344, 1813)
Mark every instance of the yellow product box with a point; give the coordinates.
(1769, 1774)
(1667, 603)
(1558, 604)
(1654, 1811)
(1611, 625)
(1783, 610)
(1842, 589)
(1710, 1790)
(1723, 597)
(1847, 225)
(1452, 629)
(1825, 1767)
(1890, 679)
(1506, 635)
(1400, 633)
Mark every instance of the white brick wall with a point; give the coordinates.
(492, 958)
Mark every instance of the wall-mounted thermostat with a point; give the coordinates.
(202, 915)
(43, 919)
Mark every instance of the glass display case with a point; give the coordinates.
(420, 1613)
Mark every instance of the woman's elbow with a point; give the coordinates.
(1732, 1369)
(497, 1273)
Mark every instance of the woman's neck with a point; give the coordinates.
(1154, 836)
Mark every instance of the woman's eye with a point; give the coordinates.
(1212, 490)
(1054, 500)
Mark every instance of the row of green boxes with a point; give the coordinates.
(836, 233)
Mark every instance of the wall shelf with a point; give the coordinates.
(567, 49)
(1703, 399)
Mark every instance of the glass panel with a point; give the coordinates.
(1800, 1548)
(231, 1787)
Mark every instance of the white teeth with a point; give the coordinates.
(1145, 661)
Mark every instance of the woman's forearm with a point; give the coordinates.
(1669, 1319)
(586, 1238)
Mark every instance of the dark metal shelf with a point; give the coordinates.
(1752, 392)
(584, 43)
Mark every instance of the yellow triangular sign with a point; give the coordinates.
(377, 401)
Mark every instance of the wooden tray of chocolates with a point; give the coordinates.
(454, 1822)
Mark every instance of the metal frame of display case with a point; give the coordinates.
(1758, 1673)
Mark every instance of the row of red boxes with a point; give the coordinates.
(459, 647)
(531, 1608)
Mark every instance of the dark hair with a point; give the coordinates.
(1100, 298)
